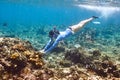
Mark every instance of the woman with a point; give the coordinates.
(53, 42)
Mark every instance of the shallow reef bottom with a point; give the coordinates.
(20, 61)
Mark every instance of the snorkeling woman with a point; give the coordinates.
(56, 36)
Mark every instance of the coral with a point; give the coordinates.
(20, 61)
(65, 63)
(19, 47)
(105, 68)
(77, 56)
(36, 60)
(28, 53)
(101, 64)
(29, 77)
(15, 55)
(96, 53)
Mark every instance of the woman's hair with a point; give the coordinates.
(54, 33)
(51, 33)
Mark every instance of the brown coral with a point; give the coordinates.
(15, 56)
(36, 61)
(19, 47)
(19, 61)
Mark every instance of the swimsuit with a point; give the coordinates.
(60, 37)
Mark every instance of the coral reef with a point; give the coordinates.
(15, 55)
(20, 61)
(96, 62)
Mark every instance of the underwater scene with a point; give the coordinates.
(59, 40)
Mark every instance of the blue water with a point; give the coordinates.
(22, 13)
(32, 14)
(25, 17)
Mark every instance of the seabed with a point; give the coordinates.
(82, 59)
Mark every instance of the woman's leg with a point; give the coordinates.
(76, 27)
(48, 45)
